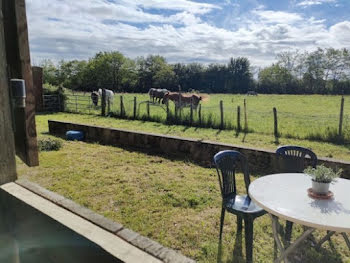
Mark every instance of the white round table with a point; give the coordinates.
(285, 196)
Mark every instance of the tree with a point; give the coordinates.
(276, 79)
(239, 76)
(50, 72)
(154, 72)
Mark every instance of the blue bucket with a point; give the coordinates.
(75, 135)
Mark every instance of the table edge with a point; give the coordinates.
(295, 220)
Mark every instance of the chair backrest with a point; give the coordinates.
(292, 158)
(226, 163)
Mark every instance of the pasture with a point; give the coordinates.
(173, 201)
(314, 117)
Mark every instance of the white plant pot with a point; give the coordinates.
(320, 188)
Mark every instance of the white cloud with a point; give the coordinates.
(178, 5)
(62, 29)
(270, 16)
(307, 3)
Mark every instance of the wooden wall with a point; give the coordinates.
(7, 147)
(18, 66)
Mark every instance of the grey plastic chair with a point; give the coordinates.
(226, 163)
(291, 159)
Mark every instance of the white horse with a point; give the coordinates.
(109, 95)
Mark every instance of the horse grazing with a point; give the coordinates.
(109, 94)
(157, 94)
(182, 100)
(94, 97)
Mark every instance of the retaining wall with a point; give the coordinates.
(201, 151)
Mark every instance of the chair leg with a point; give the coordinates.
(288, 232)
(222, 221)
(248, 227)
(239, 223)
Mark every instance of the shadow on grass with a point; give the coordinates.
(237, 254)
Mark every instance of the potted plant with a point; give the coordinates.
(321, 178)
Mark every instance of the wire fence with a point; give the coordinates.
(330, 127)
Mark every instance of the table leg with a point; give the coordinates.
(328, 236)
(347, 241)
(325, 238)
(285, 251)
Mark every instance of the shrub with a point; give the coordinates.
(48, 144)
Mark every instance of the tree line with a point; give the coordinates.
(324, 71)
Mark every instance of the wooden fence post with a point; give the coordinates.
(191, 113)
(121, 106)
(275, 123)
(135, 103)
(221, 114)
(103, 103)
(200, 115)
(76, 103)
(341, 115)
(245, 117)
(167, 111)
(148, 111)
(175, 114)
(238, 118)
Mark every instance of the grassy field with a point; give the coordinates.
(299, 116)
(170, 200)
(257, 140)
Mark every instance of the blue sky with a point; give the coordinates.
(185, 31)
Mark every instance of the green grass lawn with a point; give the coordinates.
(299, 116)
(169, 200)
(227, 136)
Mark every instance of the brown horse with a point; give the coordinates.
(182, 100)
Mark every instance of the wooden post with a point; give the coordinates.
(167, 110)
(175, 113)
(7, 149)
(76, 103)
(135, 104)
(108, 105)
(180, 108)
(221, 114)
(245, 117)
(275, 123)
(341, 115)
(103, 103)
(121, 106)
(238, 118)
(191, 113)
(148, 110)
(89, 107)
(200, 114)
(14, 23)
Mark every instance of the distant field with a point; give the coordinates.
(299, 116)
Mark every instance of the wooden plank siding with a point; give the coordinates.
(7, 147)
(18, 64)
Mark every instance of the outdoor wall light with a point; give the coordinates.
(18, 93)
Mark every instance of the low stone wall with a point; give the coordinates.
(201, 151)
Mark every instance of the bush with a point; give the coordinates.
(48, 144)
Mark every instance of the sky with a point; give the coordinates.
(185, 30)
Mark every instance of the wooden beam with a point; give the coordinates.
(18, 59)
(7, 148)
